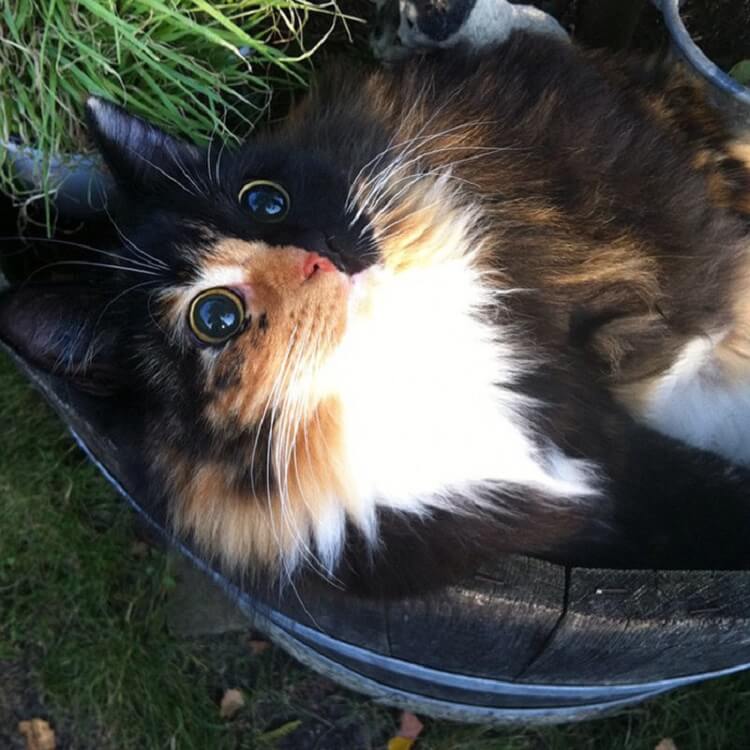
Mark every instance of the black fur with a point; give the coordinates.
(580, 160)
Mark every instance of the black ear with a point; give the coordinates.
(66, 330)
(140, 155)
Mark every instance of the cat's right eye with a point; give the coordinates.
(266, 201)
(216, 315)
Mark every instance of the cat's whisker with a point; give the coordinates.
(87, 263)
(286, 442)
(208, 156)
(273, 450)
(442, 172)
(382, 232)
(213, 175)
(162, 172)
(88, 357)
(386, 182)
(265, 413)
(217, 163)
(259, 428)
(71, 243)
(90, 350)
(151, 315)
(484, 152)
(325, 567)
(407, 145)
(439, 173)
(410, 146)
(402, 162)
(280, 449)
(180, 165)
(375, 160)
(146, 259)
(411, 180)
(289, 434)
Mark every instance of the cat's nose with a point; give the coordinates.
(316, 243)
(315, 263)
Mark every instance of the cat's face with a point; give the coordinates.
(288, 333)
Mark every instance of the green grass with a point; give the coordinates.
(78, 609)
(84, 642)
(195, 67)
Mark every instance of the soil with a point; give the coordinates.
(721, 28)
(21, 700)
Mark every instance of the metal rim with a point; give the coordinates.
(478, 699)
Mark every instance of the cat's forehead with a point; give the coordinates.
(315, 176)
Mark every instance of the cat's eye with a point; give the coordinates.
(266, 201)
(216, 315)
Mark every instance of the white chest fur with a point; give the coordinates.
(429, 414)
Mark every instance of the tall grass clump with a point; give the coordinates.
(198, 68)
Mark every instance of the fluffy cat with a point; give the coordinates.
(442, 313)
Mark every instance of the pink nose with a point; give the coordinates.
(314, 263)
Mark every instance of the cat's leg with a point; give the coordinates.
(404, 26)
(664, 505)
(670, 506)
(703, 397)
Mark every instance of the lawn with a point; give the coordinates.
(84, 641)
(84, 600)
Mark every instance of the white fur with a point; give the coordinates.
(697, 402)
(489, 22)
(429, 416)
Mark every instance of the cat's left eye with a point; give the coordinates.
(266, 201)
(216, 315)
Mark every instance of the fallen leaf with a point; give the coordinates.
(231, 702)
(38, 733)
(257, 647)
(666, 744)
(411, 727)
(281, 732)
(400, 743)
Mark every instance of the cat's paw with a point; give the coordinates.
(405, 26)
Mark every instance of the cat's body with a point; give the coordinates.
(490, 264)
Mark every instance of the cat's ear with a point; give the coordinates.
(139, 155)
(65, 330)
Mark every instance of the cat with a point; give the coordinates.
(482, 302)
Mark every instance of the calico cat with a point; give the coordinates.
(476, 304)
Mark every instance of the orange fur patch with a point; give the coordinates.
(268, 529)
(295, 323)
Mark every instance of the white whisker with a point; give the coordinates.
(146, 259)
(162, 172)
(179, 164)
(80, 245)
